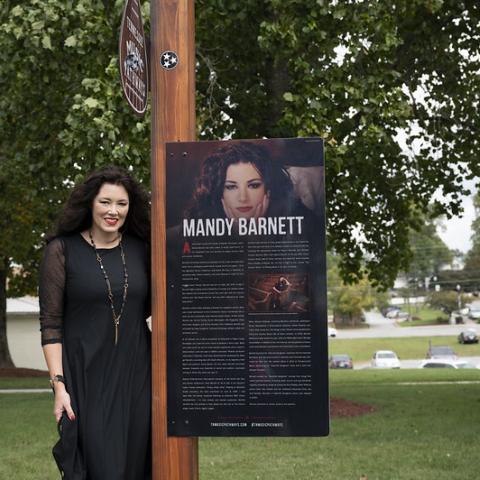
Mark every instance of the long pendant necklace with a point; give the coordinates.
(116, 317)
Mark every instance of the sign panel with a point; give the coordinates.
(246, 279)
(133, 58)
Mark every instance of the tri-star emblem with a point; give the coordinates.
(168, 60)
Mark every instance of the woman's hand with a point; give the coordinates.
(62, 403)
(262, 207)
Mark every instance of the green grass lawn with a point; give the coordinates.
(424, 427)
(406, 348)
(424, 315)
(38, 382)
(28, 433)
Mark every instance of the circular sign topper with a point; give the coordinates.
(168, 60)
(133, 58)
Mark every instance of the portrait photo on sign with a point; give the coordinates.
(245, 179)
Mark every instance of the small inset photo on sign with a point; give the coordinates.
(278, 292)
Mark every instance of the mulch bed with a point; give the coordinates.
(22, 373)
(339, 407)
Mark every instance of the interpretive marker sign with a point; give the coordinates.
(246, 279)
(133, 58)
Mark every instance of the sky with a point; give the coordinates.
(457, 231)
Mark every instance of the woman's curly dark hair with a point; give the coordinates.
(207, 197)
(76, 215)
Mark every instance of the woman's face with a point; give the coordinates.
(110, 208)
(244, 191)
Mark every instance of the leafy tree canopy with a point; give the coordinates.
(429, 252)
(353, 72)
(348, 302)
(61, 115)
(447, 301)
(471, 269)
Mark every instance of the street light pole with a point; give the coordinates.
(172, 62)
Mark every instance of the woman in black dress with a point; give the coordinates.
(94, 299)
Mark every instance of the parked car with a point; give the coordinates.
(439, 363)
(468, 336)
(401, 315)
(474, 314)
(393, 313)
(385, 359)
(388, 309)
(341, 360)
(332, 332)
(441, 351)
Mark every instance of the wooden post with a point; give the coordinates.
(173, 119)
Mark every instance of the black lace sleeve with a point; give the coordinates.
(51, 292)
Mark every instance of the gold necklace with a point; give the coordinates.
(116, 318)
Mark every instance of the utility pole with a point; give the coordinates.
(172, 62)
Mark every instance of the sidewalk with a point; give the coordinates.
(25, 390)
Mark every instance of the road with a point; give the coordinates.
(381, 327)
(385, 327)
(415, 363)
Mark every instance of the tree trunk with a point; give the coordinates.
(5, 358)
(277, 84)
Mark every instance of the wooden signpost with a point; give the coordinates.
(173, 119)
(172, 75)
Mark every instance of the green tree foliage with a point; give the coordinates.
(468, 278)
(450, 279)
(447, 301)
(349, 301)
(471, 268)
(429, 253)
(348, 71)
(61, 115)
(25, 215)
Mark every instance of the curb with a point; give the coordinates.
(26, 390)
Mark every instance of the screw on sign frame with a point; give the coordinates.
(133, 58)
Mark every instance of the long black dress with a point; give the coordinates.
(109, 384)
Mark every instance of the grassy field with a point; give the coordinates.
(423, 428)
(24, 382)
(424, 315)
(406, 348)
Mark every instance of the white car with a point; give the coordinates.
(438, 363)
(332, 332)
(385, 359)
(392, 313)
(474, 314)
